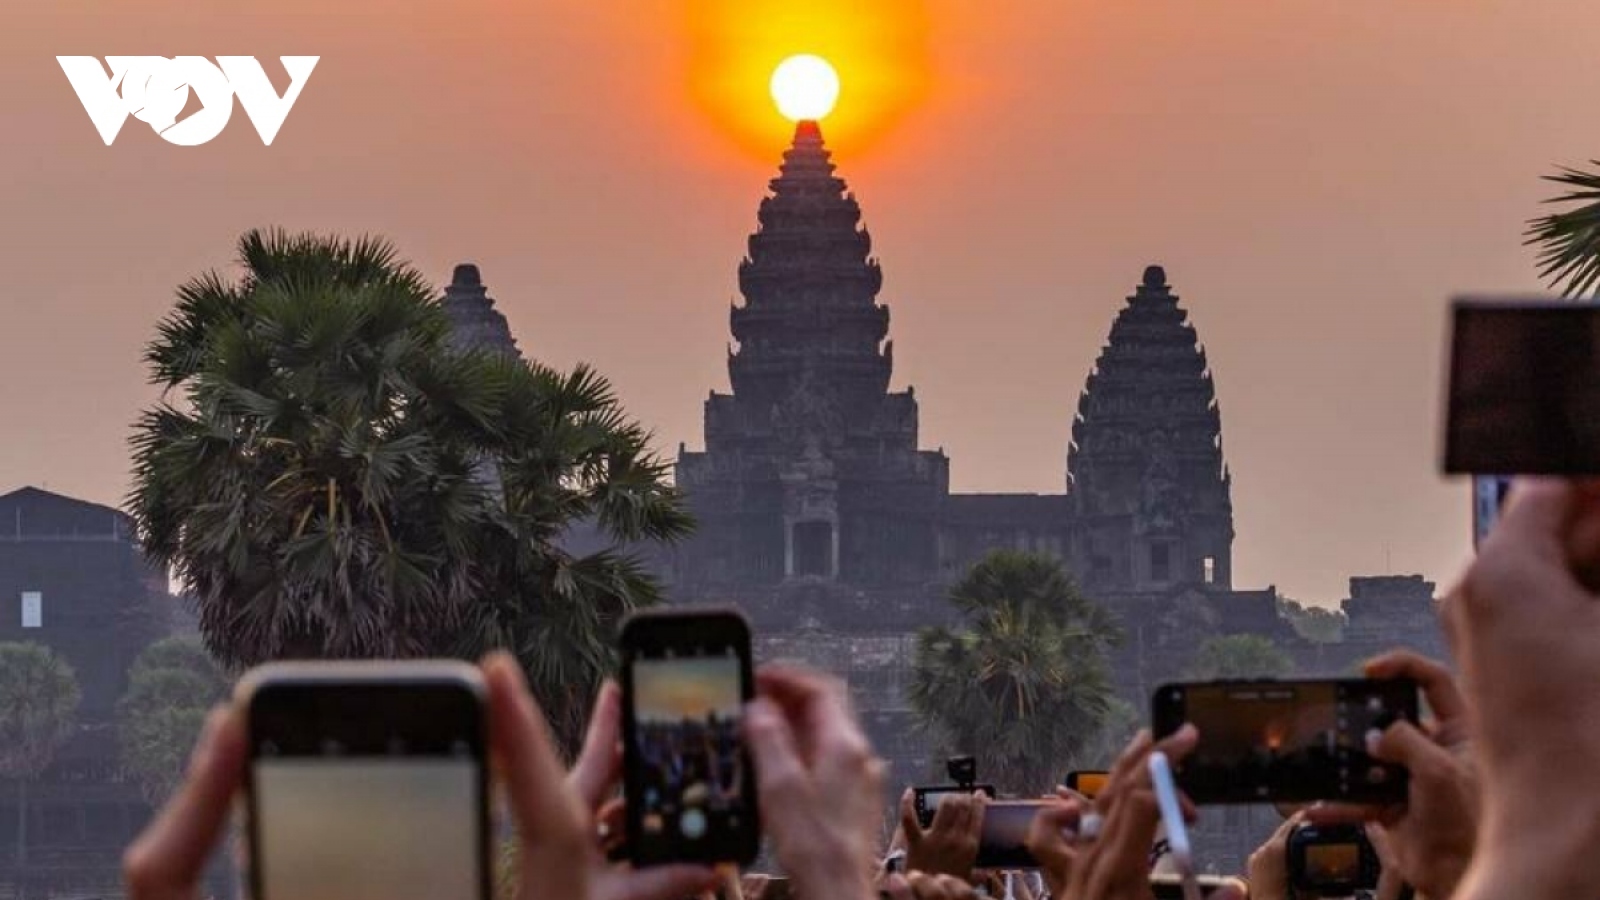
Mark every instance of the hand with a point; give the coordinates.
(167, 861)
(1524, 624)
(1269, 864)
(923, 886)
(1433, 833)
(1114, 864)
(594, 779)
(818, 782)
(950, 845)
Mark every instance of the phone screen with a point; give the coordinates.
(690, 785)
(1286, 741)
(1003, 840)
(1522, 398)
(1089, 784)
(372, 792)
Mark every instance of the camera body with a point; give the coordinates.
(963, 770)
(1331, 860)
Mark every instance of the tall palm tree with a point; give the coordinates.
(1023, 683)
(331, 480)
(1569, 241)
(39, 699)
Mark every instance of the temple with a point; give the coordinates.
(823, 518)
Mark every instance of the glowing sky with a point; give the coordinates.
(1316, 176)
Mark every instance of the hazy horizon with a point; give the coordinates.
(1318, 179)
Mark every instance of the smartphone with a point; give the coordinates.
(686, 677)
(1286, 741)
(1003, 839)
(927, 799)
(1522, 394)
(1331, 860)
(1087, 783)
(367, 780)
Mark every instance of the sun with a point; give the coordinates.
(805, 87)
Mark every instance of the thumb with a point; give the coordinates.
(909, 825)
(1403, 744)
(779, 771)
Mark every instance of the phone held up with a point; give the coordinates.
(1003, 837)
(367, 779)
(1286, 741)
(686, 677)
(1519, 399)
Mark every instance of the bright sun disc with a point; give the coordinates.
(805, 87)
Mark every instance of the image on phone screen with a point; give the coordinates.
(1291, 740)
(690, 787)
(350, 812)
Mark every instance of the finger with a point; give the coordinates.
(1403, 744)
(1231, 889)
(953, 887)
(780, 774)
(949, 815)
(1436, 681)
(1178, 744)
(820, 708)
(594, 776)
(543, 805)
(975, 814)
(925, 887)
(671, 882)
(1337, 814)
(898, 888)
(170, 856)
(1134, 831)
(1130, 760)
(910, 825)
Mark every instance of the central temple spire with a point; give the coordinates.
(811, 471)
(810, 332)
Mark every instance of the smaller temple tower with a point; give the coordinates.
(477, 324)
(1147, 486)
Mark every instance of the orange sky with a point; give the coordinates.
(1317, 177)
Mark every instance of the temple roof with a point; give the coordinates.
(1148, 415)
(477, 324)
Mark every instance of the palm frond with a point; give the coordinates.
(1569, 241)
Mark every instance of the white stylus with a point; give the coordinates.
(1172, 818)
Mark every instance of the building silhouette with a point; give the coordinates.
(73, 579)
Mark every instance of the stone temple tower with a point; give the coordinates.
(476, 323)
(1147, 485)
(811, 472)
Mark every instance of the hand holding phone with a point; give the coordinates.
(1287, 741)
(367, 780)
(690, 786)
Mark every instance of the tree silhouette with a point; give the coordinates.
(1023, 683)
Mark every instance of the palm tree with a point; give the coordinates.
(38, 709)
(1569, 241)
(1024, 679)
(331, 480)
(1240, 656)
(172, 686)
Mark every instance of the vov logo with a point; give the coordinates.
(156, 90)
